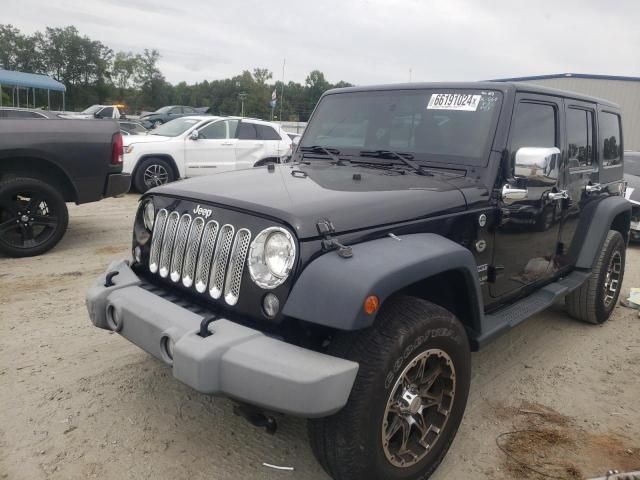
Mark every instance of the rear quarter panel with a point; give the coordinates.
(80, 148)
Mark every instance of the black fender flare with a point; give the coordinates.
(596, 220)
(331, 290)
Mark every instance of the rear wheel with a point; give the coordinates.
(33, 217)
(408, 398)
(594, 301)
(152, 172)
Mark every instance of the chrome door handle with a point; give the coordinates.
(510, 194)
(561, 195)
(593, 188)
(226, 144)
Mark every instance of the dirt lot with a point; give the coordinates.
(78, 402)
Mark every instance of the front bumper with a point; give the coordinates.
(117, 184)
(235, 361)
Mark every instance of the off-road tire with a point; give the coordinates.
(55, 203)
(587, 303)
(139, 175)
(348, 444)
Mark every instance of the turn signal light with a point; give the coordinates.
(371, 304)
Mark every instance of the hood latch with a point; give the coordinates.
(326, 229)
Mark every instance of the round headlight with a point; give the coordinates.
(271, 257)
(149, 215)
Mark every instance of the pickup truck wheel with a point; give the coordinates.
(594, 301)
(152, 172)
(33, 217)
(408, 398)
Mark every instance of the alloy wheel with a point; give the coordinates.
(612, 278)
(26, 220)
(155, 175)
(418, 408)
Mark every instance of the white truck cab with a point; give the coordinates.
(202, 145)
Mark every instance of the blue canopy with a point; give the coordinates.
(30, 80)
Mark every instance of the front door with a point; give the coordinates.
(214, 149)
(526, 239)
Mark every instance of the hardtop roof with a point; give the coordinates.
(505, 87)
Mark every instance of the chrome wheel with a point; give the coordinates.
(612, 278)
(155, 175)
(418, 408)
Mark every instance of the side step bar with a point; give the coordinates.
(501, 321)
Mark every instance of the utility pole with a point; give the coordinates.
(284, 61)
(242, 96)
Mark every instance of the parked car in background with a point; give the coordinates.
(44, 164)
(129, 127)
(632, 177)
(166, 114)
(10, 112)
(99, 111)
(201, 145)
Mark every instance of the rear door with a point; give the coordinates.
(213, 151)
(250, 146)
(272, 141)
(581, 170)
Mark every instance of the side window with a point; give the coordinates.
(610, 141)
(247, 131)
(580, 137)
(106, 112)
(267, 133)
(534, 125)
(188, 110)
(233, 128)
(176, 110)
(214, 131)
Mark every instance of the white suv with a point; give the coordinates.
(201, 145)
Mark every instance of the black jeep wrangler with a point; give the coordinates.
(415, 224)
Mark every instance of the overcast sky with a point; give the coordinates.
(360, 41)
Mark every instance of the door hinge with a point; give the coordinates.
(326, 230)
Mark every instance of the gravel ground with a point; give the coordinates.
(78, 402)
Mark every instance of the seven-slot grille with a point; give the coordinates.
(201, 253)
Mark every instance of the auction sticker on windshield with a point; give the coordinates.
(454, 101)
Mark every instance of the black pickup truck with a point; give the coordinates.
(416, 224)
(45, 163)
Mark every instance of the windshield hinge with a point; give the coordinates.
(326, 229)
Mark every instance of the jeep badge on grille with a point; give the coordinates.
(205, 212)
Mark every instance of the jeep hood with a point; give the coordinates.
(352, 197)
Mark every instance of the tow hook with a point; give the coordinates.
(204, 326)
(256, 417)
(108, 281)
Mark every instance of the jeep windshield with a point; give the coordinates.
(432, 125)
(175, 127)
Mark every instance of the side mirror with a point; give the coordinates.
(538, 164)
(194, 135)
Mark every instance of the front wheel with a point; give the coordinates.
(33, 217)
(408, 398)
(152, 172)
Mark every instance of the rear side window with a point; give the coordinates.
(188, 110)
(267, 133)
(610, 140)
(247, 131)
(106, 112)
(580, 137)
(534, 125)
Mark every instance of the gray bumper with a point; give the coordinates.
(234, 361)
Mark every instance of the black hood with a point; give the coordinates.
(352, 197)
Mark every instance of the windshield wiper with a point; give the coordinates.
(331, 152)
(405, 158)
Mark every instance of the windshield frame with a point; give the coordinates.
(423, 158)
